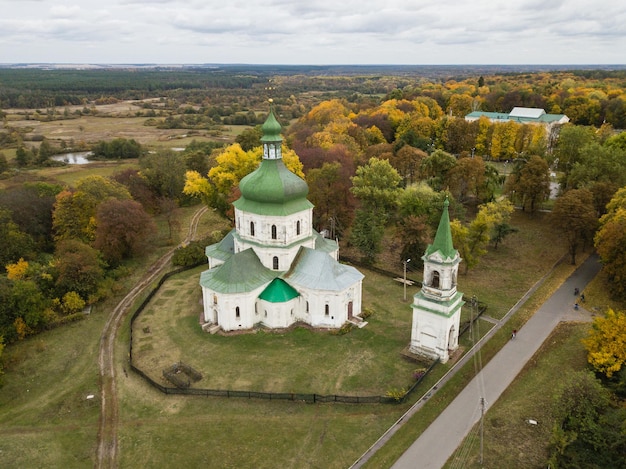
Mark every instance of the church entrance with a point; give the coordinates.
(350, 310)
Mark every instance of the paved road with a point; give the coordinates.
(435, 446)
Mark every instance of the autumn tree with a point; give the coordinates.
(407, 161)
(575, 216)
(606, 343)
(15, 243)
(31, 208)
(74, 215)
(124, 229)
(466, 178)
(610, 242)
(78, 268)
(329, 191)
(529, 183)
(472, 240)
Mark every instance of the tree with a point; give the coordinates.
(367, 233)
(407, 161)
(31, 208)
(434, 169)
(610, 242)
(165, 173)
(45, 152)
(250, 138)
(15, 244)
(572, 139)
(139, 189)
(472, 241)
(529, 183)
(582, 414)
(79, 268)
(329, 191)
(413, 235)
(606, 343)
(4, 164)
(74, 212)
(376, 185)
(575, 215)
(466, 178)
(124, 229)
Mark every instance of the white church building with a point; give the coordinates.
(437, 306)
(273, 269)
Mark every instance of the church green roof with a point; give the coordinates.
(273, 190)
(279, 291)
(242, 273)
(443, 238)
(271, 129)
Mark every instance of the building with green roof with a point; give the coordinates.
(437, 306)
(521, 115)
(273, 268)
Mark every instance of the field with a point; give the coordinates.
(109, 121)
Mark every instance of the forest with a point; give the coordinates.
(380, 150)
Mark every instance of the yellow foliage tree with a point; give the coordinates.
(606, 343)
(72, 302)
(18, 270)
(21, 328)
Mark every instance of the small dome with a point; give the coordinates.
(273, 183)
(271, 129)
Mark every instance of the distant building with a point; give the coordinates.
(522, 115)
(273, 269)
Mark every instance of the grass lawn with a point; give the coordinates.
(366, 361)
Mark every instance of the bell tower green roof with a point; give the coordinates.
(443, 238)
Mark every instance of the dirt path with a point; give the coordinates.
(107, 450)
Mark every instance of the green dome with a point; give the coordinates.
(271, 129)
(273, 183)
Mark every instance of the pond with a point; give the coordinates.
(79, 157)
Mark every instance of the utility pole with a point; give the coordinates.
(405, 263)
(482, 414)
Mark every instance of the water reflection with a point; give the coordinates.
(79, 157)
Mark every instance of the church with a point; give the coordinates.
(273, 269)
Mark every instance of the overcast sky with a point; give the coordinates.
(314, 31)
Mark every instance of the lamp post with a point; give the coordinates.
(405, 263)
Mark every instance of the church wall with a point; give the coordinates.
(226, 309)
(286, 227)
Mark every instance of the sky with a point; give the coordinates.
(313, 32)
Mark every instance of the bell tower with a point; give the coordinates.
(437, 306)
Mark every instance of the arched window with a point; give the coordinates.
(298, 228)
(275, 262)
(326, 310)
(307, 307)
(274, 236)
(237, 314)
(435, 282)
(251, 228)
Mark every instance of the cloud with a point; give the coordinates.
(323, 31)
